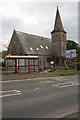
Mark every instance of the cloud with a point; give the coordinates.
(38, 18)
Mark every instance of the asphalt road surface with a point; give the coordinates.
(40, 98)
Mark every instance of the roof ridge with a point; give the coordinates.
(32, 34)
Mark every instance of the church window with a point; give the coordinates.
(37, 49)
(41, 46)
(31, 48)
(46, 47)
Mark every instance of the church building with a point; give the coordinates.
(54, 49)
(58, 41)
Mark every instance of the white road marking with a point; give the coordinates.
(54, 85)
(9, 93)
(64, 86)
(34, 79)
(36, 88)
(59, 84)
(15, 80)
(62, 83)
(48, 81)
(67, 84)
(41, 82)
(27, 79)
(67, 113)
(75, 83)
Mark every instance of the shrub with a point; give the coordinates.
(40, 69)
(72, 66)
(3, 64)
(78, 65)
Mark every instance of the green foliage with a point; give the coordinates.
(78, 65)
(72, 66)
(71, 45)
(3, 53)
(78, 49)
(0, 56)
(3, 64)
(78, 58)
(0, 64)
(64, 72)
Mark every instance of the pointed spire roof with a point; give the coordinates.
(58, 23)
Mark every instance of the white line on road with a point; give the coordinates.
(64, 86)
(26, 79)
(36, 88)
(59, 84)
(9, 93)
(75, 83)
(68, 113)
(67, 84)
(15, 80)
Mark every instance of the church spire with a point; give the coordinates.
(58, 23)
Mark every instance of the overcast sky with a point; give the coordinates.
(36, 18)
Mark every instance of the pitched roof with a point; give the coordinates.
(33, 44)
(58, 23)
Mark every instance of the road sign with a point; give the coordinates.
(71, 53)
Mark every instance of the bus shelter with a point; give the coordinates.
(21, 64)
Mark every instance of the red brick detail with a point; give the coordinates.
(18, 66)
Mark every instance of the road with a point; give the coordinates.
(40, 98)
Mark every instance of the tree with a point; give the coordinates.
(78, 50)
(73, 45)
(3, 53)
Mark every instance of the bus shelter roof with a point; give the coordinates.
(21, 57)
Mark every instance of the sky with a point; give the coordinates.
(36, 18)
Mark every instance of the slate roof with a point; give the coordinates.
(33, 44)
(58, 26)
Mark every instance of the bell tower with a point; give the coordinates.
(58, 41)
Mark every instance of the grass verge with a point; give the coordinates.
(65, 72)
